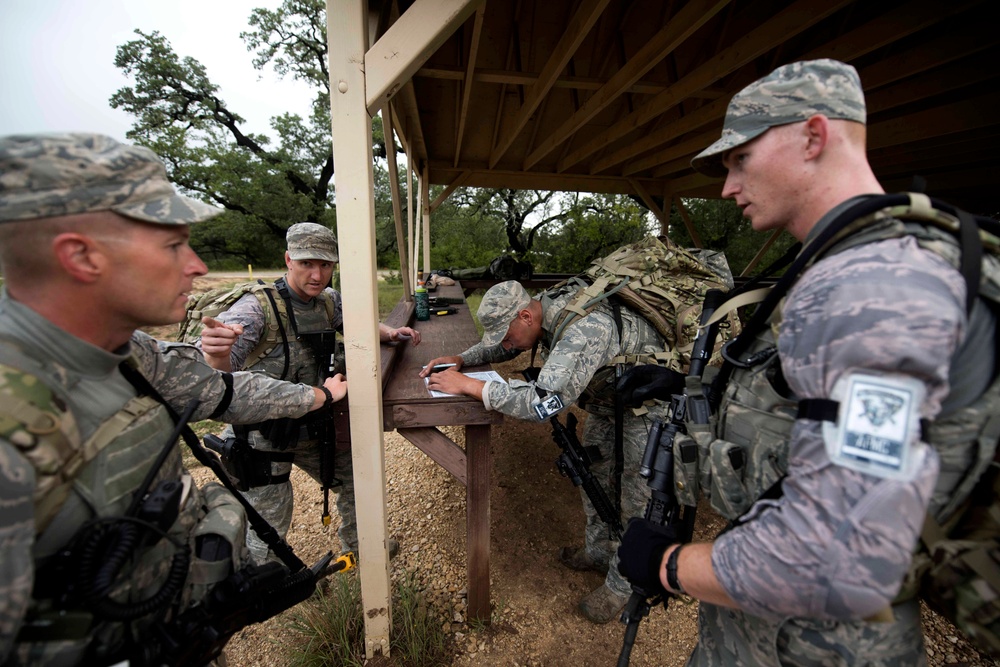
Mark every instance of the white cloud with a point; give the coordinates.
(57, 61)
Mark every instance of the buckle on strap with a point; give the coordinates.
(755, 359)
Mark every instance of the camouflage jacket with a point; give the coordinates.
(838, 542)
(571, 364)
(88, 380)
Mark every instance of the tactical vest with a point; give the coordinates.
(275, 331)
(757, 412)
(302, 367)
(78, 482)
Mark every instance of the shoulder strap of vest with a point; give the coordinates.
(905, 205)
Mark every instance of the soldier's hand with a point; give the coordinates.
(452, 362)
(647, 382)
(640, 555)
(402, 333)
(337, 384)
(217, 339)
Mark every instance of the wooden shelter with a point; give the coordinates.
(617, 96)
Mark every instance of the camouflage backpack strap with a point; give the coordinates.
(275, 328)
(35, 417)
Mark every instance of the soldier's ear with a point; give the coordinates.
(80, 256)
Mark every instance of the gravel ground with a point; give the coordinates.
(534, 511)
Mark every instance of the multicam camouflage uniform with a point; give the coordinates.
(571, 363)
(274, 501)
(87, 379)
(815, 568)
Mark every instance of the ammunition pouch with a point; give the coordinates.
(248, 468)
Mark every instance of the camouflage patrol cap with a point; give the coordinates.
(50, 175)
(789, 94)
(499, 307)
(307, 240)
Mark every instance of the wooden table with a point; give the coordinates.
(409, 409)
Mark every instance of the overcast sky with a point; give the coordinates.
(57, 67)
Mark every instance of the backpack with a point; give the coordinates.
(660, 281)
(956, 567)
(217, 301)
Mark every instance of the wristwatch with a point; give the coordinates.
(329, 396)
(672, 570)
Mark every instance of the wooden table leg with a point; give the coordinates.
(477, 520)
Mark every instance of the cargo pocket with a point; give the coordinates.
(728, 493)
(219, 541)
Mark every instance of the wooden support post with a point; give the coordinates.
(397, 209)
(477, 520)
(760, 253)
(425, 208)
(686, 217)
(347, 24)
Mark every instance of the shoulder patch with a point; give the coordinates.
(878, 425)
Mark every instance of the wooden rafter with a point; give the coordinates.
(689, 19)
(470, 67)
(576, 30)
(408, 43)
(791, 20)
(898, 23)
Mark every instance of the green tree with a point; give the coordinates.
(721, 226)
(591, 226)
(264, 182)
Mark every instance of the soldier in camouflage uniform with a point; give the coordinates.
(807, 574)
(513, 322)
(310, 257)
(93, 244)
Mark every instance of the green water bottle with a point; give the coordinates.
(422, 302)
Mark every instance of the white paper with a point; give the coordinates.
(482, 376)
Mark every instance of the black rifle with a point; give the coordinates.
(575, 461)
(324, 346)
(658, 468)
(252, 595)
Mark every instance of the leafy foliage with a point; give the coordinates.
(721, 226)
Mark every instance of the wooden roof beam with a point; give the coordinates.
(790, 21)
(454, 185)
(497, 76)
(576, 31)
(898, 23)
(678, 29)
(408, 43)
(470, 67)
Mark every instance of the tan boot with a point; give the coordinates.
(602, 605)
(577, 558)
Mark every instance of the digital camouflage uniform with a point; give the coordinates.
(587, 345)
(77, 438)
(814, 569)
(274, 501)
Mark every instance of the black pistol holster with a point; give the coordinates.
(247, 467)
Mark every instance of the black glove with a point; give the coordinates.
(648, 381)
(641, 553)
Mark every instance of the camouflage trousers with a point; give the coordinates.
(275, 501)
(730, 638)
(599, 431)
